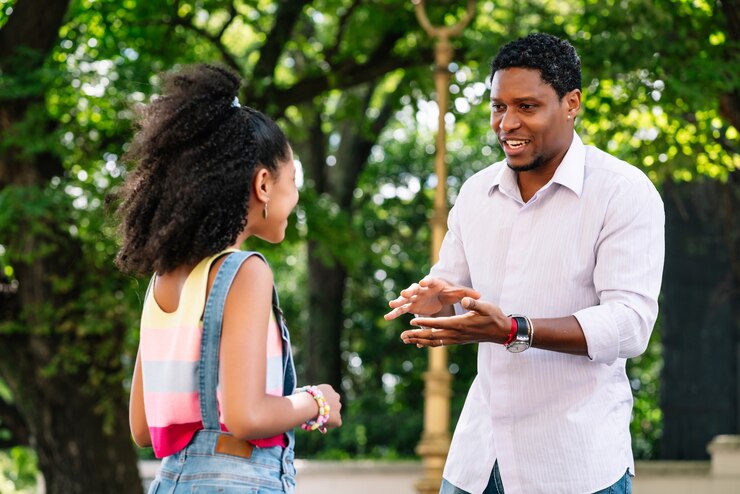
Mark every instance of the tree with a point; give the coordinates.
(56, 358)
(66, 335)
(350, 82)
(702, 280)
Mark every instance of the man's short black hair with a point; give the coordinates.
(555, 58)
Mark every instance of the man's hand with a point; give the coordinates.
(484, 322)
(428, 297)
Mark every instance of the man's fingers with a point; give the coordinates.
(412, 290)
(469, 292)
(461, 292)
(414, 334)
(421, 334)
(434, 322)
(398, 311)
(479, 306)
(428, 342)
(454, 294)
(428, 281)
(462, 322)
(412, 339)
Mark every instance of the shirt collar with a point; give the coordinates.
(569, 173)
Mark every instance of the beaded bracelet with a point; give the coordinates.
(320, 422)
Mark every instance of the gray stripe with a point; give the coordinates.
(170, 377)
(275, 373)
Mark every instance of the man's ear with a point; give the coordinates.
(261, 185)
(573, 100)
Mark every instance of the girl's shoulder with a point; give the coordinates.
(253, 273)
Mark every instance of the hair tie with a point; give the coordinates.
(235, 103)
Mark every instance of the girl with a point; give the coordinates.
(213, 385)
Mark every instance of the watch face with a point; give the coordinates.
(517, 346)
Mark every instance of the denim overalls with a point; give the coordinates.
(213, 461)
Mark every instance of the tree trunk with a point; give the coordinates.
(75, 454)
(327, 275)
(701, 323)
(73, 414)
(326, 286)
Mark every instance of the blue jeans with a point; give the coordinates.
(267, 470)
(495, 486)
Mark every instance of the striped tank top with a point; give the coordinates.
(170, 345)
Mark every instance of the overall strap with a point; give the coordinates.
(211, 337)
(289, 374)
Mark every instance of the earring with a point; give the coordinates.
(264, 212)
(568, 117)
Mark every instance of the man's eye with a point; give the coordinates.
(497, 108)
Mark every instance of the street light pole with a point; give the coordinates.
(435, 440)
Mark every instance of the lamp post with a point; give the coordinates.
(435, 440)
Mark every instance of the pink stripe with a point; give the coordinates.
(269, 442)
(171, 439)
(164, 409)
(171, 343)
(274, 339)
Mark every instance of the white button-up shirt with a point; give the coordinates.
(590, 243)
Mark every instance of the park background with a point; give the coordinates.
(351, 83)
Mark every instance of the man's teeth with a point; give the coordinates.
(516, 144)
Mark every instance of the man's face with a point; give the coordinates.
(532, 124)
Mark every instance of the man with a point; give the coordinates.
(570, 242)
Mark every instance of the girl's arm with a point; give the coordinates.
(136, 415)
(248, 412)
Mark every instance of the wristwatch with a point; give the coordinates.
(524, 331)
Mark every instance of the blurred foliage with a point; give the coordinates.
(18, 471)
(644, 374)
(653, 74)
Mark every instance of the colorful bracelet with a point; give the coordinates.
(320, 422)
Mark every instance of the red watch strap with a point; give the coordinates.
(512, 333)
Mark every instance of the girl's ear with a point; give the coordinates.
(261, 185)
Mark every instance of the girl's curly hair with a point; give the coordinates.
(195, 153)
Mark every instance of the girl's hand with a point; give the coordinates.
(335, 406)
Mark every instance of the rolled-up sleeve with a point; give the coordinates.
(627, 275)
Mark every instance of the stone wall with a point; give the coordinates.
(719, 475)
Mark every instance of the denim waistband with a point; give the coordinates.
(197, 459)
(204, 443)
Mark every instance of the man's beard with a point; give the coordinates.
(537, 162)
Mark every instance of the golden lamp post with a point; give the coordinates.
(435, 440)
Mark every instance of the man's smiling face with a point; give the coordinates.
(532, 124)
